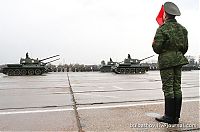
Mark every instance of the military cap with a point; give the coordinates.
(171, 9)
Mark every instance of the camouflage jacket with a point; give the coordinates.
(171, 43)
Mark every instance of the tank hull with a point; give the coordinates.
(130, 69)
(23, 71)
(27, 67)
(131, 66)
(190, 67)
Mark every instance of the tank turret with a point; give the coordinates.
(28, 60)
(135, 61)
(130, 66)
(27, 66)
(107, 67)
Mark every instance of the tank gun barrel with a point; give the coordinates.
(146, 58)
(52, 61)
(49, 58)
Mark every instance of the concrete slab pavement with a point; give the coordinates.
(36, 103)
(138, 118)
(39, 121)
(104, 102)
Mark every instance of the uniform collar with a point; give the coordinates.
(171, 20)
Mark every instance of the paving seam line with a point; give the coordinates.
(75, 107)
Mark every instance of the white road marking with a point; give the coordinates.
(83, 108)
(119, 88)
(117, 106)
(91, 94)
(35, 111)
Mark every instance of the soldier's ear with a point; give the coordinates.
(164, 17)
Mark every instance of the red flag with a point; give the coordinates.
(159, 18)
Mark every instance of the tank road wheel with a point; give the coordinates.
(23, 72)
(132, 70)
(127, 71)
(122, 70)
(137, 70)
(10, 72)
(17, 72)
(30, 72)
(38, 72)
(142, 71)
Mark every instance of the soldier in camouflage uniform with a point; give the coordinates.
(171, 43)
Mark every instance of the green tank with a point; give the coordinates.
(190, 67)
(27, 66)
(130, 66)
(107, 67)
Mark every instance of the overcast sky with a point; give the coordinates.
(87, 31)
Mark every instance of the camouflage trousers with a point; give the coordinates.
(171, 82)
